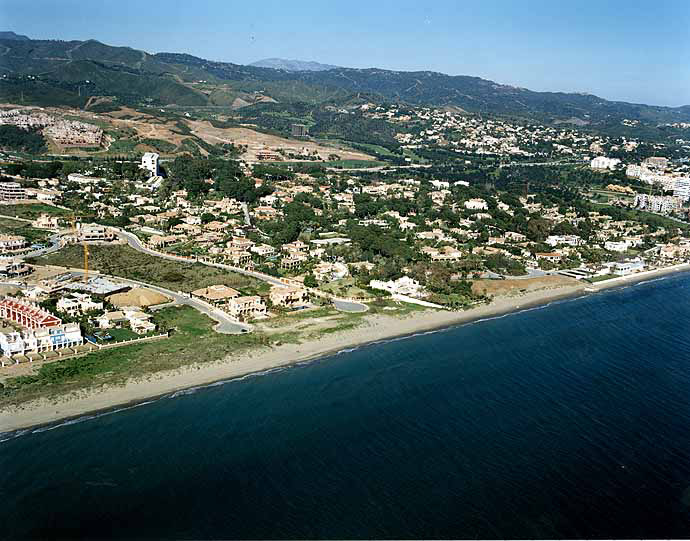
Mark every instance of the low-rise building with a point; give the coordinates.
(246, 308)
(12, 244)
(217, 295)
(40, 340)
(78, 303)
(288, 296)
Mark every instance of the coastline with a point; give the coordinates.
(375, 328)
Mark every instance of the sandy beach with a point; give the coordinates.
(375, 328)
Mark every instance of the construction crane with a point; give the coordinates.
(86, 246)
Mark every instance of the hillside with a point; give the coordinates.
(292, 65)
(68, 72)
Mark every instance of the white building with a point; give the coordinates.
(78, 303)
(602, 162)
(149, 161)
(657, 203)
(402, 286)
(617, 246)
(40, 340)
(12, 191)
(682, 188)
(475, 204)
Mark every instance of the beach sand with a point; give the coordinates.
(376, 327)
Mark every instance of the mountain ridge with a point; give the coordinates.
(60, 69)
(292, 64)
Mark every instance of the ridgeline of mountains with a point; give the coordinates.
(292, 65)
(50, 72)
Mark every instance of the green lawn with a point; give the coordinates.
(121, 260)
(15, 227)
(32, 211)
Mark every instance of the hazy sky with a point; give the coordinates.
(624, 50)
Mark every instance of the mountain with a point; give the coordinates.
(292, 65)
(47, 72)
(12, 35)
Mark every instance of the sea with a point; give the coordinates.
(568, 420)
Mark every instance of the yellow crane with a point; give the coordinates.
(86, 246)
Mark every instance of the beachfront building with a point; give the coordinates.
(402, 286)
(140, 322)
(288, 296)
(246, 308)
(40, 340)
(628, 267)
(27, 314)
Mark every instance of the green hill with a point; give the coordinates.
(67, 72)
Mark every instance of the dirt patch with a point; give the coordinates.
(256, 141)
(138, 296)
(499, 288)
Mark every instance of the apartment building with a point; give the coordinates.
(12, 191)
(40, 340)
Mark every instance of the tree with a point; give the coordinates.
(310, 281)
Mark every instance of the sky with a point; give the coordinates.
(620, 50)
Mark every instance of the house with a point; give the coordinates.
(77, 303)
(239, 258)
(12, 244)
(402, 286)
(138, 321)
(475, 204)
(95, 233)
(218, 295)
(263, 250)
(288, 296)
(246, 308)
(292, 262)
(330, 271)
(602, 162)
(628, 267)
(553, 257)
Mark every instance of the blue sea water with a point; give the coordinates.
(571, 420)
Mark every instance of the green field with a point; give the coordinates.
(119, 260)
(32, 211)
(15, 227)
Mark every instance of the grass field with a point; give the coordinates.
(119, 260)
(32, 211)
(15, 227)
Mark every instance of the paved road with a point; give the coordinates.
(134, 242)
(225, 324)
(349, 306)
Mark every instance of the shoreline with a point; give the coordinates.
(375, 328)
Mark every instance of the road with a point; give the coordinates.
(134, 242)
(225, 324)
